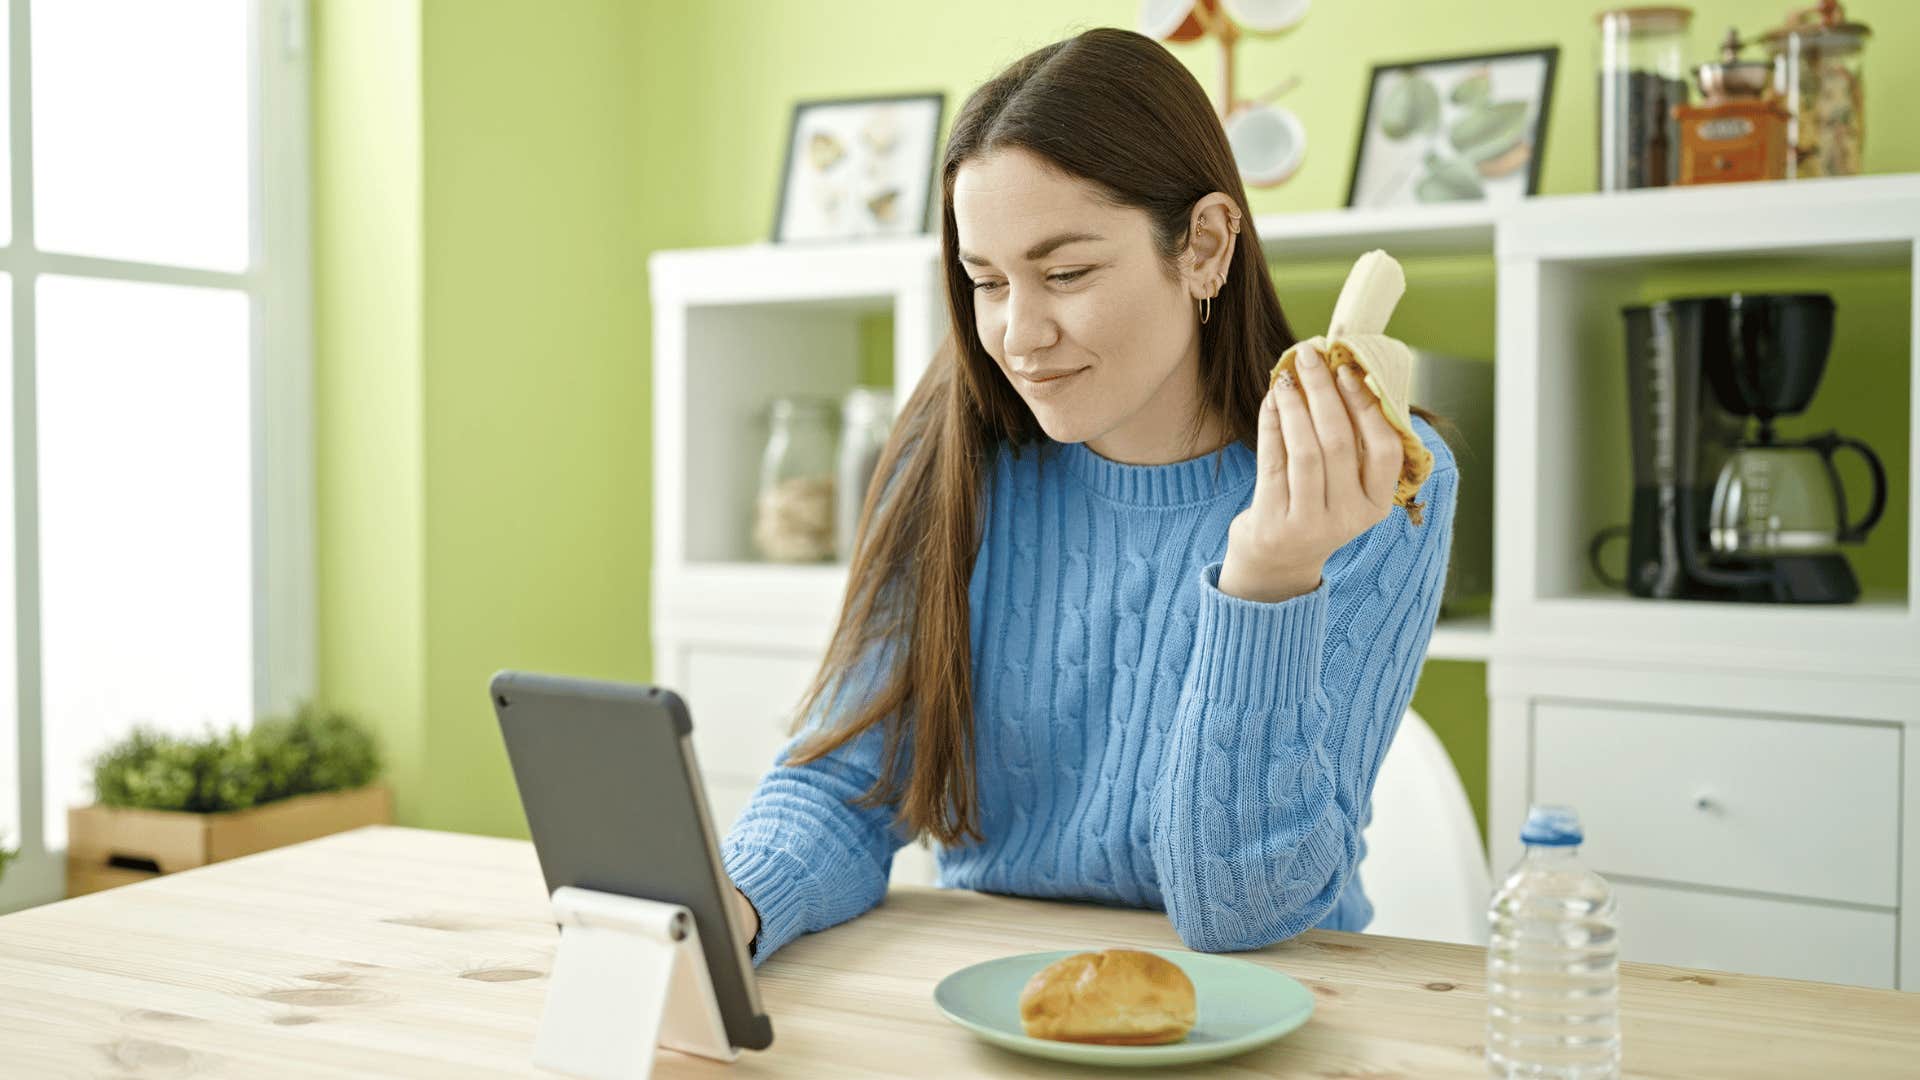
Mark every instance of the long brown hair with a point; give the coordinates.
(1117, 110)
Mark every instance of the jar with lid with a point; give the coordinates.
(1817, 58)
(793, 519)
(866, 417)
(1643, 74)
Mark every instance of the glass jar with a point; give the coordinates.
(1817, 71)
(866, 417)
(1643, 74)
(793, 518)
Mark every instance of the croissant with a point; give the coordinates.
(1356, 335)
(1124, 997)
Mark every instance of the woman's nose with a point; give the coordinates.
(1030, 325)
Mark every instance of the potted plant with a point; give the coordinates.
(167, 802)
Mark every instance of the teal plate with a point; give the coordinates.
(1238, 1005)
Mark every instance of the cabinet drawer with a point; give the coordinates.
(1663, 924)
(1794, 807)
(742, 703)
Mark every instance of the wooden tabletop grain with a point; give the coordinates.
(403, 952)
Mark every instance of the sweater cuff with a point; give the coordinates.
(780, 889)
(1256, 653)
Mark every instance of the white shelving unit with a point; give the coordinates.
(1556, 259)
(735, 327)
(1749, 774)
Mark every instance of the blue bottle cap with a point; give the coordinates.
(1552, 826)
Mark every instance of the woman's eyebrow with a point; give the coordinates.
(1038, 251)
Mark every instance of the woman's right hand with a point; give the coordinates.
(749, 918)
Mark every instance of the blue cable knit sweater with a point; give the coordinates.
(1142, 738)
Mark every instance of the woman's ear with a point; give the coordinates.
(1212, 235)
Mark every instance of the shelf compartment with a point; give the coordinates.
(1562, 354)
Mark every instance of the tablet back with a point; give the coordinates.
(613, 799)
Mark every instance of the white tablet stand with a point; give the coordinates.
(628, 976)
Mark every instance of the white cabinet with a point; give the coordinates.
(733, 329)
(1764, 935)
(1749, 774)
(1798, 807)
(1745, 826)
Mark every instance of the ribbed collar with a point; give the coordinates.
(1178, 484)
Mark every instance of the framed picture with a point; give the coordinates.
(859, 167)
(1458, 128)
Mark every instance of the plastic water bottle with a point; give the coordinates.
(1553, 963)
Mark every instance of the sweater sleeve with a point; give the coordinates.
(1285, 714)
(801, 851)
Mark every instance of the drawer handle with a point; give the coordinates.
(1705, 802)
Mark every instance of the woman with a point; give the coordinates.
(1121, 625)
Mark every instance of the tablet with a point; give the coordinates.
(614, 801)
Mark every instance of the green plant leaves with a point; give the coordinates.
(315, 750)
(279, 757)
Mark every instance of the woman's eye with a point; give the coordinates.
(1064, 277)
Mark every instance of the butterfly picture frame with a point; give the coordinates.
(859, 167)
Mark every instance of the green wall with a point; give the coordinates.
(491, 176)
(367, 329)
(489, 180)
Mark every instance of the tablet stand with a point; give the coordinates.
(628, 975)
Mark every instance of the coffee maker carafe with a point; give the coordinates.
(1721, 512)
(1785, 498)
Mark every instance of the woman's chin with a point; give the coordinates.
(1061, 425)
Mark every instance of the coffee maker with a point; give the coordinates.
(1723, 508)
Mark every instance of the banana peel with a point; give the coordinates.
(1357, 335)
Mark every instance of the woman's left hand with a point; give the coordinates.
(1328, 465)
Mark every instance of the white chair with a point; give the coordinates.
(1425, 870)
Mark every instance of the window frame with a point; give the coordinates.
(278, 283)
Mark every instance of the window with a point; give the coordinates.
(154, 433)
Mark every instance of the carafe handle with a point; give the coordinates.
(1829, 444)
(1593, 556)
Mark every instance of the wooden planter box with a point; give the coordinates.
(109, 846)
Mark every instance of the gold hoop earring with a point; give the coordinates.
(1206, 308)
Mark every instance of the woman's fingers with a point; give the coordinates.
(1380, 452)
(1306, 475)
(1384, 456)
(1270, 454)
(1333, 426)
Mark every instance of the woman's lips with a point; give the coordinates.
(1050, 386)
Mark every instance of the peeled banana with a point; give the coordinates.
(1356, 335)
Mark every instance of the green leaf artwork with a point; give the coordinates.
(1446, 180)
(1473, 88)
(1410, 106)
(1490, 130)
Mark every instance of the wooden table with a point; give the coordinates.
(402, 952)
